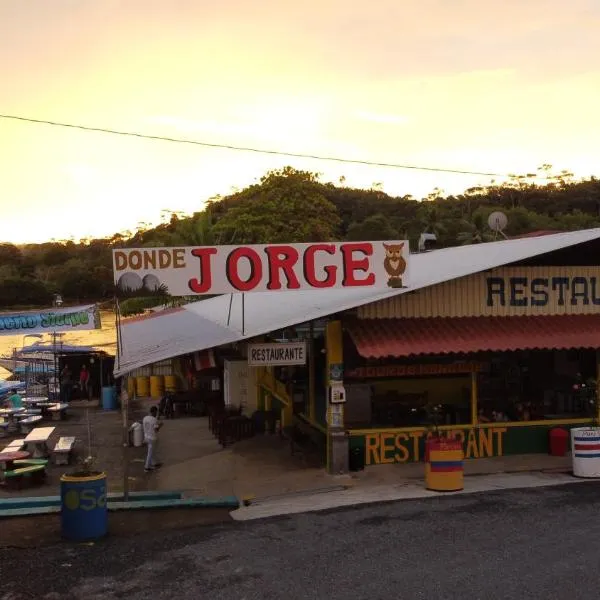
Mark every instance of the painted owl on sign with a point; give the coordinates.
(394, 264)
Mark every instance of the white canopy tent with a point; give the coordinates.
(217, 321)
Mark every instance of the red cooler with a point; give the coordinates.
(559, 442)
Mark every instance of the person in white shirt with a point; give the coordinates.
(151, 426)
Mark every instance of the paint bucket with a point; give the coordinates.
(170, 383)
(84, 512)
(444, 470)
(142, 386)
(585, 448)
(157, 386)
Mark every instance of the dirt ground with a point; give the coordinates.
(42, 530)
(193, 463)
(196, 465)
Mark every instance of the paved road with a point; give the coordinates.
(538, 543)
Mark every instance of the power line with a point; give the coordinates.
(248, 149)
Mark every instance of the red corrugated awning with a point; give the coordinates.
(381, 338)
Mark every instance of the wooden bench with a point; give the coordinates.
(27, 424)
(62, 450)
(23, 462)
(16, 478)
(58, 411)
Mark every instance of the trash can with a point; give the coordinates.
(356, 459)
(558, 441)
(444, 470)
(109, 398)
(136, 435)
(83, 512)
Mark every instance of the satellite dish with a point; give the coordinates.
(497, 222)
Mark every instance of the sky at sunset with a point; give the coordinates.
(495, 86)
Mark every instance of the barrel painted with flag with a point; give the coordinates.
(585, 450)
(444, 470)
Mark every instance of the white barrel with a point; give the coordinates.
(138, 434)
(585, 449)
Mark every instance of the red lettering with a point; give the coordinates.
(309, 269)
(282, 258)
(202, 285)
(352, 264)
(232, 269)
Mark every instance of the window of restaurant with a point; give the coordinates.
(537, 385)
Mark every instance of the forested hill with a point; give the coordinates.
(293, 206)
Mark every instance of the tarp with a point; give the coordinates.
(10, 386)
(166, 334)
(49, 320)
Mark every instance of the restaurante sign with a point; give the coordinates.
(256, 268)
(279, 354)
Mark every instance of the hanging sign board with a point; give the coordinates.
(258, 268)
(75, 318)
(278, 354)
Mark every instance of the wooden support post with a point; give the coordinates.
(337, 442)
(474, 411)
(597, 407)
(311, 374)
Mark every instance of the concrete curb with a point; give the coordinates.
(45, 505)
(356, 496)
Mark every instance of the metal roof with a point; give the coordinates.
(217, 321)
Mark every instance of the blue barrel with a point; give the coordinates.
(109, 398)
(84, 512)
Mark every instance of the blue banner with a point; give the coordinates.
(75, 318)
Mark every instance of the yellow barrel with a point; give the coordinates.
(142, 386)
(444, 465)
(170, 383)
(131, 387)
(157, 386)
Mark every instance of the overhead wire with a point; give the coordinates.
(251, 149)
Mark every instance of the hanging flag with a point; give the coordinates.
(204, 359)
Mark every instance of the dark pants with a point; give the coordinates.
(66, 390)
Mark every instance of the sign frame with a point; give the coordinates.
(213, 270)
(268, 347)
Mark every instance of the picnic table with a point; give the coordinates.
(7, 459)
(36, 441)
(10, 414)
(35, 400)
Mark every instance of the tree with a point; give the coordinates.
(373, 228)
(475, 231)
(10, 255)
(20, 291)
(287, 206)
(197, 231)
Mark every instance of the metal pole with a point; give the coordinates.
(124, 411)
(311, 373)
(124, 406)
(243, 315)
(229, 313)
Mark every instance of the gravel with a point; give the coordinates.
(518, 544)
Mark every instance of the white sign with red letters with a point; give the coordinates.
(257, 268)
